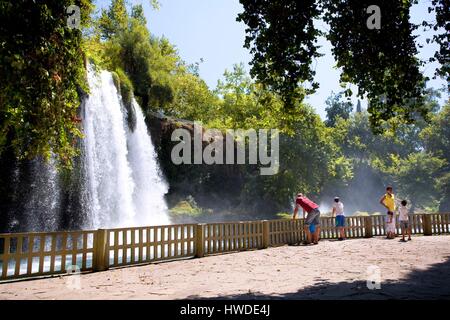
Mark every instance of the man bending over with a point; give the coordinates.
(313, 217)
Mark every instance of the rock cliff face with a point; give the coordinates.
(208, 184)
(216, 187)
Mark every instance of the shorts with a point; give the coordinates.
(390, 227)
(404, 224)
(313, 217)
(340, 221)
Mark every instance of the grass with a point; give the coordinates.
(188, 208)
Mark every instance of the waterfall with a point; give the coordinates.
(115, 182)
(149, 186)
(122, 179)
(41, 208)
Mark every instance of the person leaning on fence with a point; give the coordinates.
(313, 217)
(338, 211)
(403, 219)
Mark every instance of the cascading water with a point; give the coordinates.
(116, 182)
(122, 179)
(148, 196)
(41, 208)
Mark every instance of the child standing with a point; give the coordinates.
(403, 218)
(388, 201)
(390, 225)
(338, 211)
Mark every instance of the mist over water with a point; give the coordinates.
(361, 194)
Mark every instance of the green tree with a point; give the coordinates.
(124, 42)
(246, 104)
(43, 74)
(337, 108)
(137, 12)
(164, 64)
(113, 20)
(381, 62)
(309, 161)
(192, 99)
(442, 10)
(282, 38)
(415, 177)
(436, 138)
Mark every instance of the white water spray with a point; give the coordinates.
(149, 185)
(42, 203)
(124, 184)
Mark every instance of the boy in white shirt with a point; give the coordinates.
(403, 218)
(338, 210)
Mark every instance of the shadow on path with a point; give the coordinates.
(431, 283)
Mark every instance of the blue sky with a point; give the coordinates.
(208, 29)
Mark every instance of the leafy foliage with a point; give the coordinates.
(413, 158)
(42, 71)
(187, 207)
(44, 75)
(337, 109)
(123, 41)
(246, 104)
(125, 89)
(436, 139)
(281, 36)
(309, 161)
(415, 176)
(442, 10)
(381, 62)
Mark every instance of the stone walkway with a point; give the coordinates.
(331, 270)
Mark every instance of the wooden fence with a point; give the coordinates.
(281, 232)
(36, 254)
(228, 237)
(127, 246)
(24, 255)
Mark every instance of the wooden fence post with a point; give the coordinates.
(426, 224)
(101, 255)
(266, 234)
(368, 227)
(200, 241)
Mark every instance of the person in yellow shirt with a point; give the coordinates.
(388, 201)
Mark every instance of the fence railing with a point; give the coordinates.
(126, 246)
(234, 236)
(32, 254)
(284, 232)
(47, 253)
